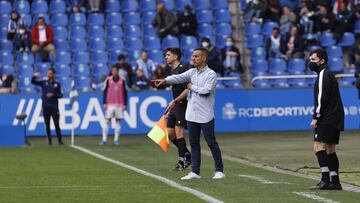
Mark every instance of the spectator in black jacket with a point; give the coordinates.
(214, 56)
(231, 57)
(355, 55)
(22, 41)
(165, 22)
(187, 22)
(293, 46)
(7, 84)
(273, 44)
(324, 19)
(343, 22)
(273, 11)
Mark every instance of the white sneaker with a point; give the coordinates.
(218, 175)
(190, 176)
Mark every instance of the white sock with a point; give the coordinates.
(105, 131)
(117, 130)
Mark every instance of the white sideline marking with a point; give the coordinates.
(66, 186)
(169, 182)
(262, 180)
(315, 197)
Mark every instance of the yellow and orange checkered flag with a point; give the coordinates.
(159, 134)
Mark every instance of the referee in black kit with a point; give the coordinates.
(328, 121)
(51, 92)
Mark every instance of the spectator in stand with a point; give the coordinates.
(159, 73)
(42, 38)
(22, 39)
(293, 46)
(7, 84)
(273, 44)
(231, 56)
(253, 11)
(338, 6)
(165, 22)
(355, 55)
(187, 22)
(324, 19)
(214, 56)
(145, 64)
(122, 65)
(13, 25)
(306, 17)
(80, 4)
(141, 82)
(287, 19)
(343, 20)
(96, 5)
(273, 11)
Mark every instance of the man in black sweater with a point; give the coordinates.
(328, 120)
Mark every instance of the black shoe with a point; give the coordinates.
(333, 186)
(179, 166)
(187, 160)
(321, 186)
(61, 143)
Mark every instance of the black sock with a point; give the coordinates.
(324, 165)
(334, 168)
(181, 147)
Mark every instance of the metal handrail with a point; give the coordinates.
(295, 76)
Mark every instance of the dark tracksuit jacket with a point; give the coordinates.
(49, 87)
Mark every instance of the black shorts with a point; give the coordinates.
(326, 134)
(177, 116)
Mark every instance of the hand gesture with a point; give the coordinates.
(158, 82)
(37, 74)
(170, 107)
(189, 85)
(313, 124)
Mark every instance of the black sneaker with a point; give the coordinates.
(61, 143)
(179, 166)
(333, 186)
(321, 186)
(187, 160)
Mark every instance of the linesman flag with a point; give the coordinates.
(159, 134)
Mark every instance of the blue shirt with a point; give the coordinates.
(49, 87)
(201, 100)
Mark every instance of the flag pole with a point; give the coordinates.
(72, 126)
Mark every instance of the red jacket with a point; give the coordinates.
(35, 35)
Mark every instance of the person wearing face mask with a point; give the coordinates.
(13, 25)
(231, 56)
(214, 56)
(22, 39)
(327, 122)
(187, 22)
(42, 38)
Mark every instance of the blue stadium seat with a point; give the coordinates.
(78, 32)
(60, 32)
(204, 16)
(37, 16)
(347, 40)
(82, 83)
(277, 65)
(114, 31)
(205, 29)
(310, 36)
(254, 41)
(112, 6)
(115, 44)
(157, 56)
(259, 66)
(3, 33)
(188, 42)
(268, 27)
(296, 65)
(39, 6)
(258, 53)
(149, 31)
(147, 5)
(219, 4)
(6, 45)
(80, 57)
(133, 44)
(96, 19)
(43, 68)
(65, 83)
(24, 70)
(169, 4)
(336, 64)
(334, 51)
(96, 31)
(202, 4)
(4, 20)
(114, 19)
(313, 47)
(133, 31)
(63, 69)
(81, 69)
(297, 82)
(151, 43)
(133, 56)
(97, 44)
(62, 57)
(99, 57)
(132, 18)
(25, 84)
(129, 5)
(327, 39)
(187, 53)
(220, 84)
(26, 18)
(77, 19)
(5, 7)
(6, 58)
(25, 58)
(148, 17)
(252, 29)
(61, 44)
(180, 4)
(348, 81)
(59, 19)
(220, 41)
(357, 27)
(262, 83)
(78, 44)
(279, 82)
(170, 41)
(222, 16)
(100, 70)
(223, 29)
(7, 69)
(22, 7)
(57, 6)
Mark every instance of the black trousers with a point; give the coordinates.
(53, 113)
(208, 130)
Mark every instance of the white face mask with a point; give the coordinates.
(205, 44)
(21, 31)
(229, 43)
(41, 27)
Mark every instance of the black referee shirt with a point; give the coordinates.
(328, 107)
(177, 89)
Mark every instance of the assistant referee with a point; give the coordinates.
(327, 122)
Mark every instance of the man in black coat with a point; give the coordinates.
(187, 22)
